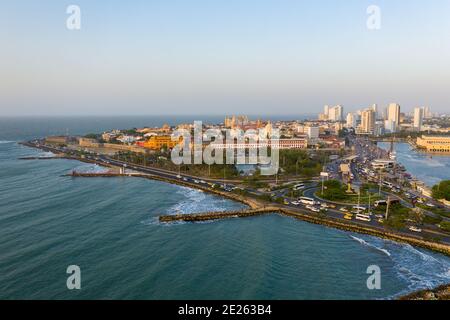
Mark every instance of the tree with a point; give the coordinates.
(442, 190)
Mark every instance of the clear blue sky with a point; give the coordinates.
(221, 56)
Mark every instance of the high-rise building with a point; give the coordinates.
(367, 121)
(427, 113)
(418, 118)
(326, 110)
(375, 109)
(336, 113)
(389, 126)
(393, 115)
(351, 120)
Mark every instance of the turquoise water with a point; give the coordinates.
(429, 168)
(109, 227)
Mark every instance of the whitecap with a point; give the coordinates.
(363, 242)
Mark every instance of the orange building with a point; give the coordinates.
(159, 142)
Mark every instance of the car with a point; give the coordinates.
(178, 176)
(295, 203)
(344, 209)
(348, 217)
(314, 209)
(359, 208)
(415, 229)
(429, 204)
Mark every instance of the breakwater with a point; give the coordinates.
(205, 216)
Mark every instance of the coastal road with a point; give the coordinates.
(308, 192)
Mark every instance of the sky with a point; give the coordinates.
(221, 56)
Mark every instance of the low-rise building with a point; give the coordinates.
(159, 142)
(59, 140)
(434, 143)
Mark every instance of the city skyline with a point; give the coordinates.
(257, 57)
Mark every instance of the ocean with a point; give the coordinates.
(110, 229)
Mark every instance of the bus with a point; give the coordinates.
(362, 217)
(306, 200)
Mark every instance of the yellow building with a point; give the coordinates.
(159, 142)
(434, 143)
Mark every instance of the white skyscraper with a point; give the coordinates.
(393, 116)
(418, 118)
(326, 110)
(427, 113)
(336, 113)
(367, 121)
(351, 120)
(339, 113)
(375, 109)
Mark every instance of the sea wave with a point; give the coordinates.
(197, 201)
(6, 141)
(422, 255)
(45, 154)
(418, 269)
(363, 242)
(89, 168)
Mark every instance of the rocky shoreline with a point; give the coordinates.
(439, 293)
